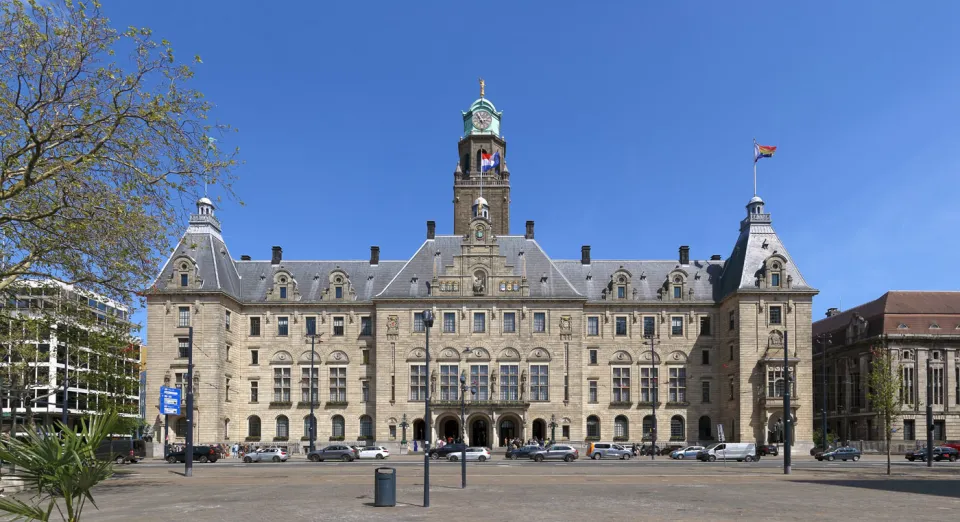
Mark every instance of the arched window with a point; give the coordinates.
(593, 426)
(181, 427)
(366, 427)
(648, 427)
(253, 426)
(676, 428)
(337, 429)
(226, 429)
(621, 428)
(283, 427)
(307, 425)
(705, 431)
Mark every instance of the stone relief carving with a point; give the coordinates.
(167, 306)
(565, 324)
(775, 340)
(433, 381)
(479, 283)
(393, 324)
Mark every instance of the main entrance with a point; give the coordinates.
(507, 431)
(478, 433)
(450, 430)
(539, 429)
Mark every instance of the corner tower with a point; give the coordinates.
(481, 136)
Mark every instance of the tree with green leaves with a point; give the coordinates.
(884, 391)
(61, 469)
(102, 141)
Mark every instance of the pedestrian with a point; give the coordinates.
(414, 446)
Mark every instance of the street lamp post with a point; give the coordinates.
(929, 413)
(824, 340)
(788, 414)
(553, 428)
(463, 411)
(403, 427)
(188, 462)
(313, 396)
(654, 384)
(427, 324)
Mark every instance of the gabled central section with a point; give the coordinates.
(480, 269)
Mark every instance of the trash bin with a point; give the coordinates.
(385, 487)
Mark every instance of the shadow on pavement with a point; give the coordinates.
(943, 488)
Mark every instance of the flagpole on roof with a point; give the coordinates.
(755, 166)
(482, 84)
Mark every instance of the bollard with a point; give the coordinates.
(385, 487)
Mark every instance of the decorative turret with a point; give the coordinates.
(204, 221)
(481, 209)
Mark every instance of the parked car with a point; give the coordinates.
(843, 453)
(522, 452)
(767, 449)
(122, 451)
(939, 453)
(374, 452)
(556, 452)
(333, 452)
(267, 455)
(670, 448)
(600, 450)
(200, 454)
(739, 451)
(955, 444)
(446, 450)
(473, 453)
(690, 452)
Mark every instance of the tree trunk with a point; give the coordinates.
(889, 438)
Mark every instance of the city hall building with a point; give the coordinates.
(584, 348)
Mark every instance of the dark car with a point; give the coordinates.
(334, 452)
(767, 449)
(121, 451)
(200, 454)
(522, 452)
(843, 453)
(444, 452)
(939, 453)
(555, 452)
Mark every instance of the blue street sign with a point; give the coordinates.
(169, 401)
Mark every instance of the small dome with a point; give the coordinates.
(755, 199)
(481, 202)
(204, 201)
(483, 103)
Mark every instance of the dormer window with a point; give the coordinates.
(283, 292)
(775, 279)
(184, 279)
(338, 292)
(677, 292)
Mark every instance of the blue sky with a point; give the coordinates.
(629, 125)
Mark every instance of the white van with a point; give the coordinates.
(739, 451)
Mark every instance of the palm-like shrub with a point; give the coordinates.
(61, 469)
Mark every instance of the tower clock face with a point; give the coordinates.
(482, 119)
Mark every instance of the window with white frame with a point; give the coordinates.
(539, 322)
(539, 382)
(593, 326)
(592, 396)
(418, 382)
(364, 391)
(937, 379)
(509, 322)
(621, 326)
(907, 385)
(480, 378)
(338, 384)
(449, 382)
(775, 382)
(678, 385)
(254, 391)
(776, 315)
(676, 325)
(338, 330)
(705, 392)
(648, 384)
(621, 384)
(309, 380)
(479, 322)
(449, 322)
(282, 326)
(509, 383)
(418, 324)
(281, 384)
(183, 347)
(184, 316)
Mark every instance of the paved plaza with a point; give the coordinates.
(523, 490)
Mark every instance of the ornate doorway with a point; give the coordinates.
(450, 430)
(418, 430)
(507, 432)
(478, 433)
(540, 429)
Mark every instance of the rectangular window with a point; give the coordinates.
(909, 429)
(338, 326)
(418, 382)
(937, 386)
(393, 431)
(479, 322)
(775, 382)
(539, 322)
(565, 432)
(254, 391)
(677, 292)
(418, 325)
(733, 320)
(705, 392)
(593, 326)
(509, 322)
(678, 385)
(907, 393)
(776, 316)
(180, 382)
(509, 385)
(449, 382)
(539, 382)
(648, 384)
(365, 391)
(621, 384)
(364, 356)
(281, 385)
(338, 384)
(621, 292)
(366, 326)
(309, 381)
(449, 322)
(226, 320)
(705, 357)
(282, 326)
(283, 292)
(705, 325)
(481, 380)
(939, 430)
(184, 317)
(338, 292)
(184, 279)
(649, 326)
(311, 325)
(592, 395)
(676, 326)
(621, 323)
(593, 355)
(775, 279)
(227, 348)
(857, 392)
(183, 347)
(254, 357)
(254, 327)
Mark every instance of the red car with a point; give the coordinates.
(955, 444)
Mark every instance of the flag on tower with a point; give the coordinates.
(762, 151)
(489, 161)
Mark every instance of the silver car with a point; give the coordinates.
(267, 455)
(600, 450)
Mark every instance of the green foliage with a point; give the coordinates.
(98, 154)
(818, 439)
(884, 392)
(62, 470)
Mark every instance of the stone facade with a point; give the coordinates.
(577, 349)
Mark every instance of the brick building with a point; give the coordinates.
(587, 344)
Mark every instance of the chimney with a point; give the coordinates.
(277, 256)
(715, 257)
(431, 229)
(244, 258)
(374, 255)
(684, 255)
(832, 312)
(585, 255)
(529, 234)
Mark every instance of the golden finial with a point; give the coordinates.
(482, 85)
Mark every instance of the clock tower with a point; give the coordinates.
(481, 136)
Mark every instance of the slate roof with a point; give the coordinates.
(216, 268)
(646, 277)
(312, 277)
(915, 310)
(545, 279)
